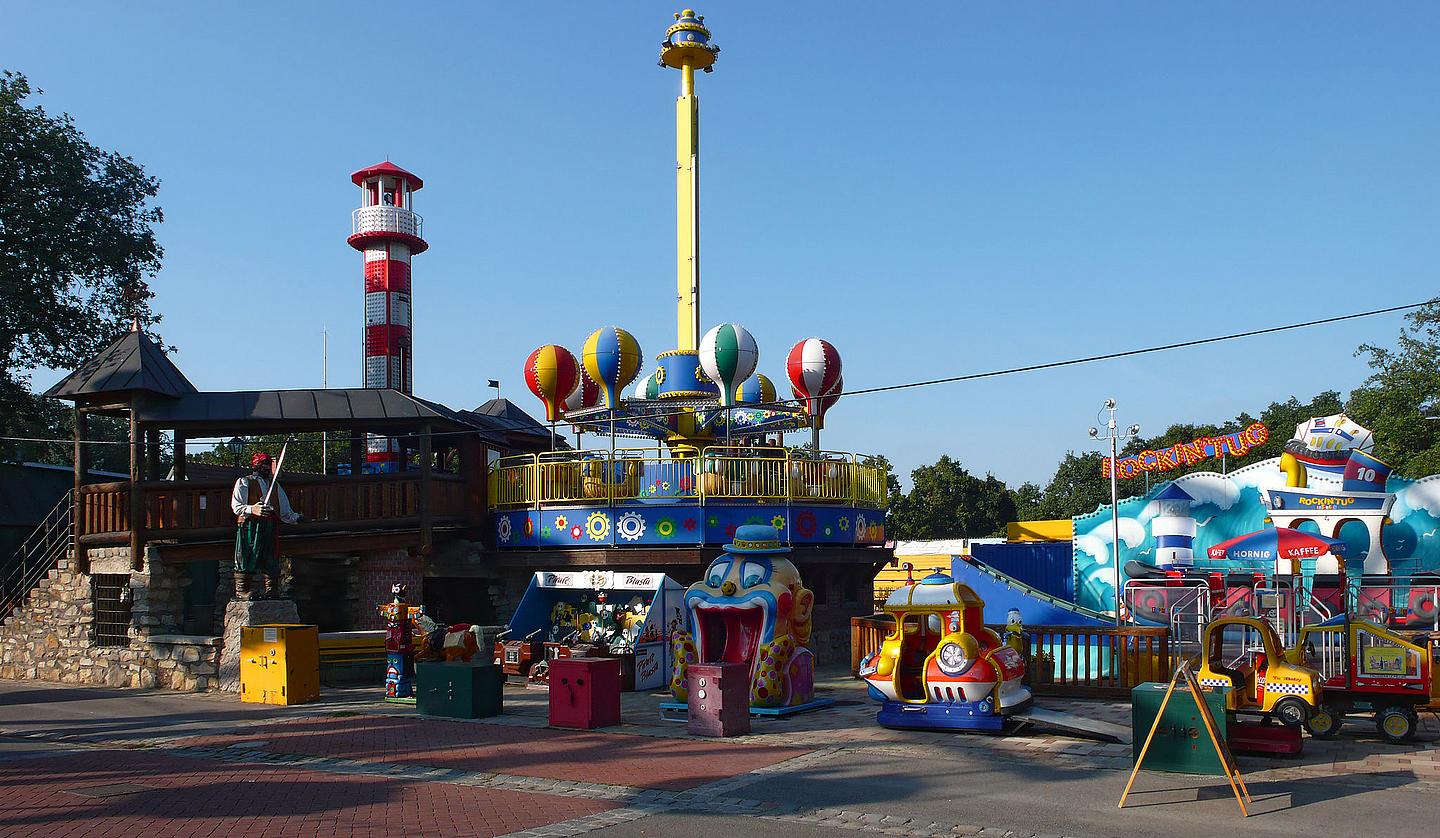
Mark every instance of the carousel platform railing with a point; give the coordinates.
(716, 474)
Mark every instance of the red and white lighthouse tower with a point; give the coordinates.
(388, 231)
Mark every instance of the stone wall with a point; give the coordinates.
(51, 636)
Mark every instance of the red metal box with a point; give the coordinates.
(584, 692)
(719, 699)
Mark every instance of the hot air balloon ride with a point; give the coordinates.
(699, 439)
(612, 358)
(551, 373)
(813, 367)
(757, 389)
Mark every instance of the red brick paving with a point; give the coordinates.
(198, 797)
(643, 761)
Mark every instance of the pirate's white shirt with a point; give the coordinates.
(239, 497)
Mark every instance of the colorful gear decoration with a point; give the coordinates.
(630, 526)
(503, 529)
(665, 528)
(597, 526)
(805, 523)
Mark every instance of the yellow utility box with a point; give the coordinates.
(279, 664)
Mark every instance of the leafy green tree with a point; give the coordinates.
(1076, 487)
(946, 501)
(303, 455)
(1404, 385)
(1027, 499)
(77, 246)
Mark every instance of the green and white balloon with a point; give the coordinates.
(728, 355)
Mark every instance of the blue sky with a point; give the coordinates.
(997, 187)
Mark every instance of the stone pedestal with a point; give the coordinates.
(240, 613)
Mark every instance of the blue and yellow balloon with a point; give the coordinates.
(612, 359)
(757, 389)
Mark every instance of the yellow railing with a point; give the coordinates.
(717, 473)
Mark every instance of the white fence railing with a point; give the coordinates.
(383, 219)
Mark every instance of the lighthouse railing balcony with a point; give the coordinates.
(716, 475)
(386, 219)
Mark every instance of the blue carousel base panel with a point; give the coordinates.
(656, 523)
(678, 710)
(958, 715)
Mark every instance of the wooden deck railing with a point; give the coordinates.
(1062, 660)
(199, 509)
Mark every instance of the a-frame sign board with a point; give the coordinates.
(1227, 760)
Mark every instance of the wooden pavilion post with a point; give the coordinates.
(472, 468)
(179, 455)
(357, 452)
(82, 470)
(427, 512)
(137, 496)
(152, 453)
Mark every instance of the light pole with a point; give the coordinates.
(1113, 434)
(235, 445)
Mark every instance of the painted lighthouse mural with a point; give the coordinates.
(388, 231)
(1172, 527)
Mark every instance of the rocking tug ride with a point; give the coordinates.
(941, 667)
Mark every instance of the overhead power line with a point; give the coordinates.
(954, 379)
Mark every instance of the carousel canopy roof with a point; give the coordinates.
(131, 363)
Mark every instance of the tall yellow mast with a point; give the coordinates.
(687, 48)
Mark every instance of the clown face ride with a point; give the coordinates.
(751, 608)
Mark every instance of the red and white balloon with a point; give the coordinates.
(585, 395)
(813, 367)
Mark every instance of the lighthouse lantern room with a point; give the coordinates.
(388, 231)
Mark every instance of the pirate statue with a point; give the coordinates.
(257, 533)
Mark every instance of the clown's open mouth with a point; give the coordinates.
(730, 632)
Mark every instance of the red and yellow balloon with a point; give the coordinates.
(552, 372)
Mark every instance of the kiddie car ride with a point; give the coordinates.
(1366, 669)
(940, 667)
(1245, 655)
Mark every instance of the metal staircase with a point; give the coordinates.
(38, 555)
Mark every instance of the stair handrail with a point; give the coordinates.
(38, 554)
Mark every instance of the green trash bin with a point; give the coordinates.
(1181, 743)
(459, 690)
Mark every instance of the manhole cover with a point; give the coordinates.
(111, 790)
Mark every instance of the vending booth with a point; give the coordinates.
(625, 613)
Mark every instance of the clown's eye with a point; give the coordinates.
(717, 573)
(754, 573)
